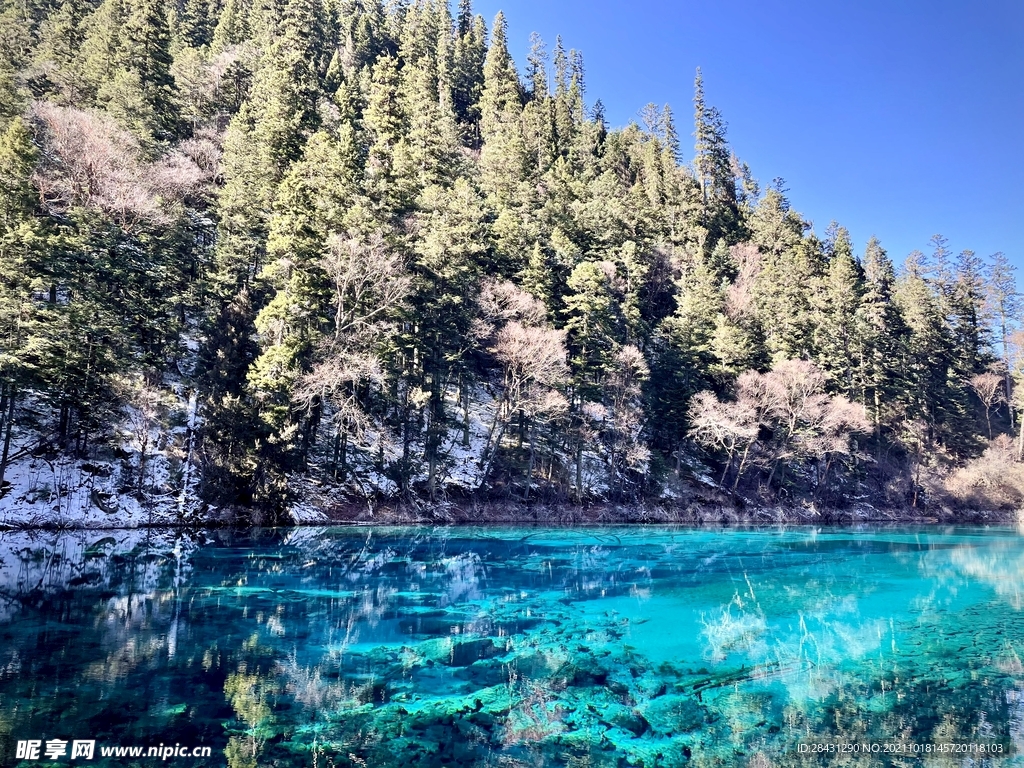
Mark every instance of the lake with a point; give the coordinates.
(641, 646)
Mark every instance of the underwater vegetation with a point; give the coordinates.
(518, 647)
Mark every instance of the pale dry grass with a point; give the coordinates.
(994, 480)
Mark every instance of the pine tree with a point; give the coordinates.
(838, 302)
(232, 26)
(142, 93)
(56, 56)
(468, 75)
(382, 170)
(971, 337)
(18, 22)
(11, 98)
(536, 70)
(100, 50)
(22, 235)
(442, 306)
(935, 392)
(500, 99)
(503, 158)
(196, 22)
(594, 325)
(881, 339)
(432, 138)
(713, 169)
(685, 353)
(390, 179)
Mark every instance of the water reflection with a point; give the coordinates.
(516, 647)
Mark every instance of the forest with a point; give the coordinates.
(256, 254)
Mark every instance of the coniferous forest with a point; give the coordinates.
(261, 255)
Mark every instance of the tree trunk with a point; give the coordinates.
(465, 414)
(743, 463)
(579, 471)
(63, 423)
(823, 482)
(489, 458)
(335, 451)
(1006, 369)
(435, 423)
(725, 469)
(8, 423)
(529, 472)
(493, 442)
(343, 454)
(143, 445)
(878, 427)
(406, 443)
(309, 432)
(190, 433)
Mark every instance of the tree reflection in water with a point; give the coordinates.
(509, 647)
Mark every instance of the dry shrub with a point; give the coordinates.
(88, 160)
(994, 480)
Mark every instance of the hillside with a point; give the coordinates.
(265, 259)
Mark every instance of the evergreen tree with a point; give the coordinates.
(21, 237)
(838, 303)
(232, 27)
(141, 92)
(442, 308)
(594, 325)
(881, 339)
(685, 354)
(536, 72)
(500, 99)
(100, 49)
(468, 72)
(935, 394)
(713, 169)
(196, 22)
(57, 65)
(11, 98)
(368, 221)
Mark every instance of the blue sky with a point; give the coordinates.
(899, 119)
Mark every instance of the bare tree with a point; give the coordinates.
(370, 282)
(726, 426)
(1004, 303)
(533, 363)
(89, 160)
(830, 435)
(988, 387)
(790, 403)
(501, 301)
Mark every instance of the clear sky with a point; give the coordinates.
(898, 118)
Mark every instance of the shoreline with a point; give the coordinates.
(360, 515)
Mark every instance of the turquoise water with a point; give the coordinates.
(518, 646)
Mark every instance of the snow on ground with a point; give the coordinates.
(69, 492)
(102, 490)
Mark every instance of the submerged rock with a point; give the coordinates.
(673, 714)
(458, 653)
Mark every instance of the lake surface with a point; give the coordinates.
(518, 646)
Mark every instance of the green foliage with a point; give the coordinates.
(352, 231)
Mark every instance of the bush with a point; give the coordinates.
(994, 480)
